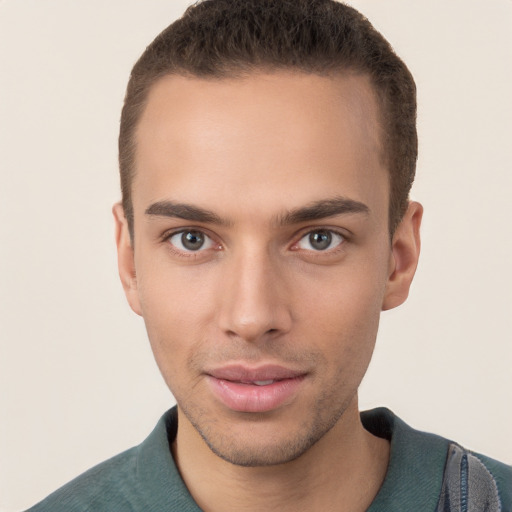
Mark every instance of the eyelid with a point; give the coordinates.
(167, 235)
(183, 229)
(344, 234)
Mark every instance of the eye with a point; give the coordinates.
(320, 240)
(191, 241)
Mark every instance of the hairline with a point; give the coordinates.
(240, 72)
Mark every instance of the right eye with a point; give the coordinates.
(191, 241)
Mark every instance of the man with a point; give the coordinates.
(267, 150)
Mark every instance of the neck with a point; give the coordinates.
(342, 471)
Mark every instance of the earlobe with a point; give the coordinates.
(125, 258)
(405, 252)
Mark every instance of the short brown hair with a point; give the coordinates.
(229, 38)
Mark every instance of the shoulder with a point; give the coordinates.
(106, 484)
(429, 472)
(475, 482)
(138, 480)
(485, 471)
(500, 471)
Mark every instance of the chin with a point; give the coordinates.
(256, 444)
(250, 454)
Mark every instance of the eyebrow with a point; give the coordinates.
(323, 209)
(184, 211)
(314, 211)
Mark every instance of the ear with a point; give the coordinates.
(405, 251)
(125, 258)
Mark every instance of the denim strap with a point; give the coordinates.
(468, 486)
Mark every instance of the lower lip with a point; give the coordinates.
(252, 398)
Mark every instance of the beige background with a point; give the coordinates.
(77, 379)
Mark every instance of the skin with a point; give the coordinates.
(253, 152)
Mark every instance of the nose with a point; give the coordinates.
(254, 298)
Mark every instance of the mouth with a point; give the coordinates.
(255, 390)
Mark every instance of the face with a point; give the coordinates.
(262, 257)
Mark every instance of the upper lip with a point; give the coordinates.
(242, 373)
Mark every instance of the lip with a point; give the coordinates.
(235, 386)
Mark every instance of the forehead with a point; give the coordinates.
(281, 134)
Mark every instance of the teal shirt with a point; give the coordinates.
(145, 478)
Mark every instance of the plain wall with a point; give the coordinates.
(77, 378)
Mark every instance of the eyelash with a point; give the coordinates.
(329, 251)
(167, 236)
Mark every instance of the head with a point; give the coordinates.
(263, 151)
(218, 39)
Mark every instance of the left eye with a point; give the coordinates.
(320, 240)
(191, 241)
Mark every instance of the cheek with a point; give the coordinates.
(174, 332)
(349, 296)
(177, 308)
(167, 291)
(343, 311)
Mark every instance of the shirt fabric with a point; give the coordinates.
(425, 473)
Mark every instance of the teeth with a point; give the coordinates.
(263, 382)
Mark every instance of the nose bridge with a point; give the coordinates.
(252, 305)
